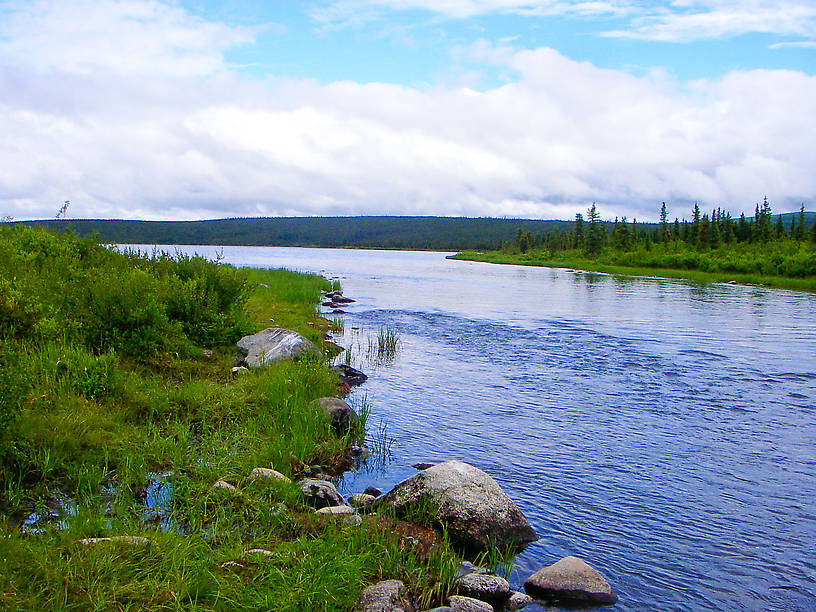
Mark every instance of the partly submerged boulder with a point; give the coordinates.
(351, 376)
(272, 344)
(476, 512)
(572, 581)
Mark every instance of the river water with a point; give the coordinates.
(662, 431)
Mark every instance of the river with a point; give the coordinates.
(663, 431)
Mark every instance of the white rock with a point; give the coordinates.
(335, 510)
(272, 344)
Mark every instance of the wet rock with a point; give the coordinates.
(272, 344)
(350, 376)
(340, 415)
(124, 540)
(422, 466)
(320, 493)
(476, 512)
(517, 601)
(458, 603)
(359, 452)
(570, 580)
(486, 587)
(223, 485)
(362, 502)
(338, 311)
(373, 491)
(335, 510)
(260, 473)
(387, 596)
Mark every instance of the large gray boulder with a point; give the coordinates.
(320, 493)
(272, 344)
(387, 596)
(572, 581)
(476, 512)
(340, 415)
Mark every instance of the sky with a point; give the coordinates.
(197, 109)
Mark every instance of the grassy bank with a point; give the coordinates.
(611, 265)
(118, 412)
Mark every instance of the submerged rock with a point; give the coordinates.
(571, 580)
(517, 601)
(350, 376)
(476, 512)
(272, 344)
(320, 493)
(340, 415)
(387, 596)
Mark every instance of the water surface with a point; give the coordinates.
(660, 430)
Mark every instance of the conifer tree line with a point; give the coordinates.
(703, 232)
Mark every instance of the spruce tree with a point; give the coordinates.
(664, 223)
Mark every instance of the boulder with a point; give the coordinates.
(374, 491)
(260, 473)
(336, 510)
(387, 596)
(517, 601)
(459, 603)
(493, 589)
(572, 581)
(223, 485)
(272, 344)
(320, 493)
(362, 502)
(350, 376)
(340, 415)
(476, 512)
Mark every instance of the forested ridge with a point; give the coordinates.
(413, 233)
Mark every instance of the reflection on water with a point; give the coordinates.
(661, 430)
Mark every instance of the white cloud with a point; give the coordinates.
(179, 145)
(794, 44)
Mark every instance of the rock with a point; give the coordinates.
(223, 485)
(517, 601)
(466, 567)
(352, 520)
(207, 353)
(320, 493)
(350, 376)
(339, 299)
(338, 311)
(359, 452)
(373, 491)
(570, 580)
(468, 604)
(476, 512)
(441, 609)
(387, 596)
(493, 589)
(362, 502)
(422, 466)
(260, 473)
(340, 415)
(272, 344)
(238, 371)
(233, 565)
(126, 540)
(335, 510)
(258, 551)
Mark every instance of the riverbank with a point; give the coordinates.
(593, 265)
(120, 412)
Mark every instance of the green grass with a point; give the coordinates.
(575, 262)
(89, 417)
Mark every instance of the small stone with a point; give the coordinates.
(353, 520)
(223, 485)
(372, 491)
(127, 540)
(571, 580)
(340, 415)
(468, 604)
(239, 371)
(517, 601)
(466, 567)
(422, 465)
(258, 551)
(362, 502)
(387, 596)
(320, 493)
(233, 565)
(485, 587)
(335, 510)
(260, 473)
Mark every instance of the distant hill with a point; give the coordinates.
(418, 233)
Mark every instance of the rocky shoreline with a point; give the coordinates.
(453, 495)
